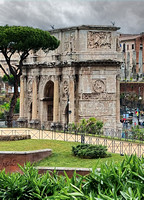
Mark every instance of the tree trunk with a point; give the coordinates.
(13, 103)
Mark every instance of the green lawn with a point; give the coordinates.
(61, 156)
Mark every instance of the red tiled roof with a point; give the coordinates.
(124, 37)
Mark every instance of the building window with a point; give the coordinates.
(141, 46)
(132, 46)
(35, 59)
(127, 47)
(123, 47)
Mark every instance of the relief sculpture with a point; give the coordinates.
(69, 42)
(65, 89)
(99, 86)
(97, 40)
(29, 85)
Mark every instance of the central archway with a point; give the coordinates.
(48, 99)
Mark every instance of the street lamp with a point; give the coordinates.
(68, 102)
(138, 106)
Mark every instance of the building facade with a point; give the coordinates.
(80, 79)
(132, 47)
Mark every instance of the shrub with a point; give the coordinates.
(91, 126)
(82, 126)
(137, 133)
(72, 127)
(90, 151)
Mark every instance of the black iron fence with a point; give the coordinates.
(114, 144)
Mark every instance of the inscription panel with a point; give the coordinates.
(97, 109)
(98, 96)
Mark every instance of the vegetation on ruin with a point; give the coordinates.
(21, 40)
(119, 181)
(61, 153)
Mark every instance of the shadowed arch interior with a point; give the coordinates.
(48, 99)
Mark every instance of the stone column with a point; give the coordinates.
(34, 99)
(72, 99)
(56, 101)
(22, 97)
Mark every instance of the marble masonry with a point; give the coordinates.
(78, 80)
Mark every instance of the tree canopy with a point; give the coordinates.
(20, 40)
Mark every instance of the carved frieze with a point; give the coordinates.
(98, 96)
(99, 40)
(43, 80)
(99, 86)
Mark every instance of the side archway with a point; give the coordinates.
(48, 101)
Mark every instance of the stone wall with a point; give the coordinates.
(68, 170)
(9, 160)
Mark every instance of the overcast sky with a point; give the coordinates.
(127, 14)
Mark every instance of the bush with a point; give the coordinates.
(90, 151)
(72, 127)
(137, 133)
(91, 126)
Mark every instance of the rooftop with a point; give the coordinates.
(125, 37)
(86, 27)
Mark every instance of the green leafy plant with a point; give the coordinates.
(116, 181)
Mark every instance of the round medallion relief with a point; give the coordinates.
(99, 86)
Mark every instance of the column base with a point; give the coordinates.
(22, 122)
(35, 123)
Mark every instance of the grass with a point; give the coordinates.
(61, 156)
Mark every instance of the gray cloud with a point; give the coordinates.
(127, 14)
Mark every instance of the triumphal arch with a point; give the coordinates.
(78, 80)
